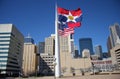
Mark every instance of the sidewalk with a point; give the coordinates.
(115, 76)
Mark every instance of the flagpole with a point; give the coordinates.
(57, 47)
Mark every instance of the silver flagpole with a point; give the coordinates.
(57, 47)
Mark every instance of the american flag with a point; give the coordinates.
(66, 31)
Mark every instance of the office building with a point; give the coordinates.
(41, 47)
(109, 45)
(11, 50)
(46, 66)
(67, 61)
(50, 45)
(114, 34)
(105, 55)
(98, 51)
(86, 43)
(104, 65)
(76, 52)
(29, 58)
(94, 57)
(115, 55)
(47, 52)
(69, 64)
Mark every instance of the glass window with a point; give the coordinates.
(3, 56)
(4, 36)
(4, 40)
(4, 44)
(4, 48)
(3, 52)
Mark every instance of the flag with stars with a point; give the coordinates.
(68, 20)
(72, 18)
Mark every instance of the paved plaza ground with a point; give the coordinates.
(111, 76)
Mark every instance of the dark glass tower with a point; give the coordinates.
(86, 43)
(41, 47)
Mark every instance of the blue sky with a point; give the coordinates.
(37, 17)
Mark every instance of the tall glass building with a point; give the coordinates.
(98, 51)
(41, 47)
(86, 43)
(11, 50)
(114, 34)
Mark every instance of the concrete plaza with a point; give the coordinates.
(110, 76)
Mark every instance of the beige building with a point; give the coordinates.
(50, 45)
(29, 59)
(86, 53)
(115, 55)
(46, 66)
(70, 65)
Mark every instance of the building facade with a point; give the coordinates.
(76, 53)
(86, 43)
(104, 65)
(114, 34)
(115, 55)
(11, 50)
(69, 64)
(29, 58)
(86, 53)
(47, 52)
(109, 45)
(46, 66)
(50, 45)
(98, 51)
(41, 47)
(67, 61)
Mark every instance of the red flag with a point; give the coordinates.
(71, 17)
(68, 20)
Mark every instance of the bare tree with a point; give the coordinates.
(72, 70)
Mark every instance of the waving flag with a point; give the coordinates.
(72, 18)
(66, 32)
(68, 20)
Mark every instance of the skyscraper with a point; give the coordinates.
(114, 34)
(109, 45)
(98, 51)
(86, 43)
(29, 57)
(50, 44)
(41, 47)
(11, 49)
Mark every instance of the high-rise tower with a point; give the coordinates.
(86, 43)
(98, 51)
(11, 49)
(114, 34)
(41, 47)
(29, 57)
